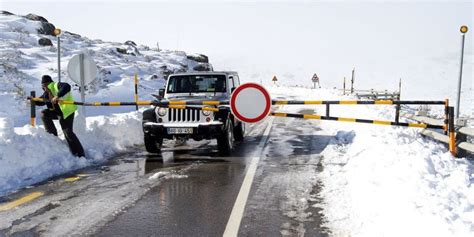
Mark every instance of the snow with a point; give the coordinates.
(375, 180)
(386, 181)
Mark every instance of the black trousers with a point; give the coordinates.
(48, 116)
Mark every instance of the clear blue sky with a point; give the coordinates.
(292, 39)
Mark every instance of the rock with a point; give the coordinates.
(131, 43)
(46, 27)
(203, 67)
(34, 17)
(122, 51)
(6, 13)
(45, 42)
(73, 34)
(200, 58)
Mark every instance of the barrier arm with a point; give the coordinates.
(354, 120)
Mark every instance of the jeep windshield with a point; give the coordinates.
(197, 84)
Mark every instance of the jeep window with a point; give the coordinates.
(197, 83)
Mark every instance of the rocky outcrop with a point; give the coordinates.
(6, 13)
(200, 58)
(45, 42)
(203, 67)
(46, 27)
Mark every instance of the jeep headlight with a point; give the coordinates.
(206, 112)
(162, 112)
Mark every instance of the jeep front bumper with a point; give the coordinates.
(199, 130)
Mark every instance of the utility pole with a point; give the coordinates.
(458, 100)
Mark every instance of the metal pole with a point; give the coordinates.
(452, 134)
(59, 59)
(33, 109)
(81, 75)
(136, 90)
(458, 100)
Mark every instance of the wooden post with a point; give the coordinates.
(352, 80)
(33, 109)
(397, 97)
(344, 87)
(136, 91)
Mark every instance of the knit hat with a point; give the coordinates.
(46, 79)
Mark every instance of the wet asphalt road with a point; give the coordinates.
(197, 194)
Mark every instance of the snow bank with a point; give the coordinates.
(387, 181)
(29, 155)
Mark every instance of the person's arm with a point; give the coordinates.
(43, 96)
(63, 89)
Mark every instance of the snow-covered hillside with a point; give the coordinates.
(29, 155)
(23, 61)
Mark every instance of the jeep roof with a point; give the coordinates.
(228, 73)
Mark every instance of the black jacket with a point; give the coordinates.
(63, 89)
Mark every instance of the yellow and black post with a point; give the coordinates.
(446, 116)
(33, 109)
(452, 134)
(136, 90)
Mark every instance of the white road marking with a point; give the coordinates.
(233, 225)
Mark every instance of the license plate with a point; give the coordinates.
(180, 130)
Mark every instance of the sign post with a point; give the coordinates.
(250, 103)
(315, 80)
(463, 30)
(56, 33)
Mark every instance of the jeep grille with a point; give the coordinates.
(184, 115)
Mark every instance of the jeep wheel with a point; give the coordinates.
(153, 144)
(225, 141)
(239, 132)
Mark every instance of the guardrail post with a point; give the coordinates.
(327, 110)
(33, 109)
(452, 134)
(446, 116)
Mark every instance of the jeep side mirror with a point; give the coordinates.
(161, 93)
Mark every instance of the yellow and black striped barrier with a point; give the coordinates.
(142, 103)
(354, 120)
(356, 102)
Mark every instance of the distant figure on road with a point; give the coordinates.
(53, 91)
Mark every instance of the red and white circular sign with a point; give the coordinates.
(250, 103)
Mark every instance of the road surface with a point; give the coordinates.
(268, 187)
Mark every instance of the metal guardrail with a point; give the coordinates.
(463, 146)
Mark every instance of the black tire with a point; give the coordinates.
(239, 132)
(225, 141)
(153, 144)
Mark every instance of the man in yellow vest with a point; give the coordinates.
(53, 92)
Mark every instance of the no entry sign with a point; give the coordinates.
(250, 102)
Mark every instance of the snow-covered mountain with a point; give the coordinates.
(28, 50)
